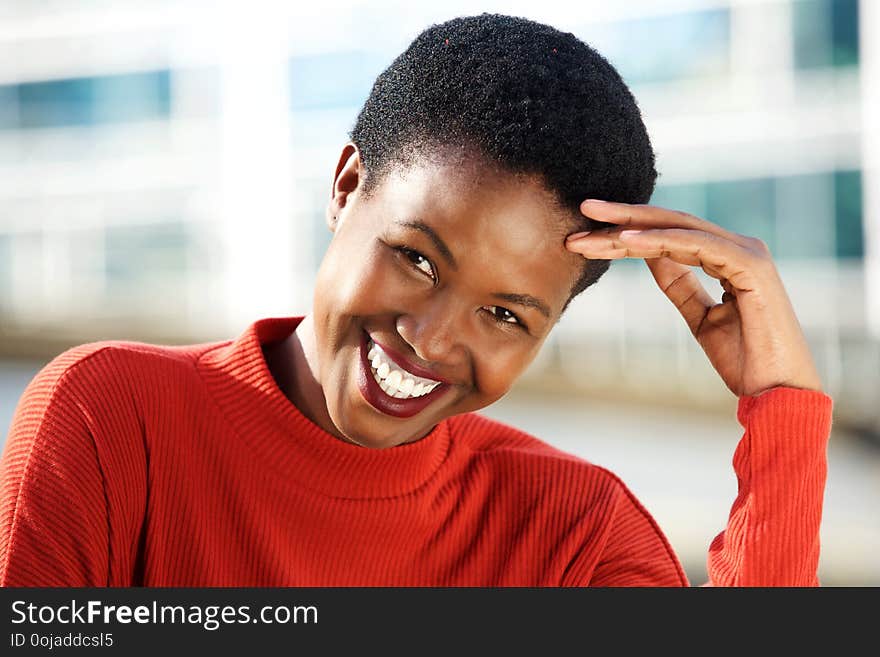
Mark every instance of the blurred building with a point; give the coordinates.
(164, 169)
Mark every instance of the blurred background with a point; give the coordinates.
(165, 165)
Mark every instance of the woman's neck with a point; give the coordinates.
(294, 366)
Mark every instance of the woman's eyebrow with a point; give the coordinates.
(439, 244)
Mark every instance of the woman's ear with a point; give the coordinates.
(345, 183)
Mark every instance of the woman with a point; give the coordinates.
(341, 448)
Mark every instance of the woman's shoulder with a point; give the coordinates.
(104, 395)
(110, 374)
(103, 362)
(512, 448)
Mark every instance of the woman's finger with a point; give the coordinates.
(719, 257)
(625, 214)
(681, 285)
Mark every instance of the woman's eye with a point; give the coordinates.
(502, 314)
(420, 261)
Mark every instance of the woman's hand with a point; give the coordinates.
(752, 338)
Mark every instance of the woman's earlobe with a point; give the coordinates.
(334, 221)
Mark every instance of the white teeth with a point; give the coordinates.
(393, 381)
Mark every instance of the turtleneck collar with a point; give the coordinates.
(239, 378)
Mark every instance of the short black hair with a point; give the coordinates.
(525, 96)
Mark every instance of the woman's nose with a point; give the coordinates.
(434, 332)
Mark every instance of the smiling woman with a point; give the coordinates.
(421, 268)
(341, 448)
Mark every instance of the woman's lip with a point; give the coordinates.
(412, 368)
(379, 400)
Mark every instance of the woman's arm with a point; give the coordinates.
(74, 473)
(772, 535)
(754, 341)
(53, 509)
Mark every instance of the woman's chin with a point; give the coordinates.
(374, 433)
(372, 442)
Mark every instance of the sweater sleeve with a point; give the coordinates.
(54, 528)
(772, 534)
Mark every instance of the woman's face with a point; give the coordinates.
(434, 294)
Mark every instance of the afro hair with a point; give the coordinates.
(524, 96)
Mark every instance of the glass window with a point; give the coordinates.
(848, 214)
(56, 103)
(338, 79)
(136, 97)
(681, 45)
(747, 207)
(687, 198)
(137, 254)
(743, 206)
(8, 106)
(845, 32)
(805, 216)
(826, 33)
(85, 101)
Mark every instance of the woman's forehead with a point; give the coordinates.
(473, 184)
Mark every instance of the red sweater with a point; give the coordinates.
(132, 464)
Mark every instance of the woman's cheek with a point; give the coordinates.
(343, 277)
(376, 287)
(496, 373)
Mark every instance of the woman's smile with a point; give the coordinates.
(392, 387)
(397, 377)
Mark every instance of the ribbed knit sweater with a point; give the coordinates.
(130, 464)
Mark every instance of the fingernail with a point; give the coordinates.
(628, 233)
(594, 200)
(577, 236)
